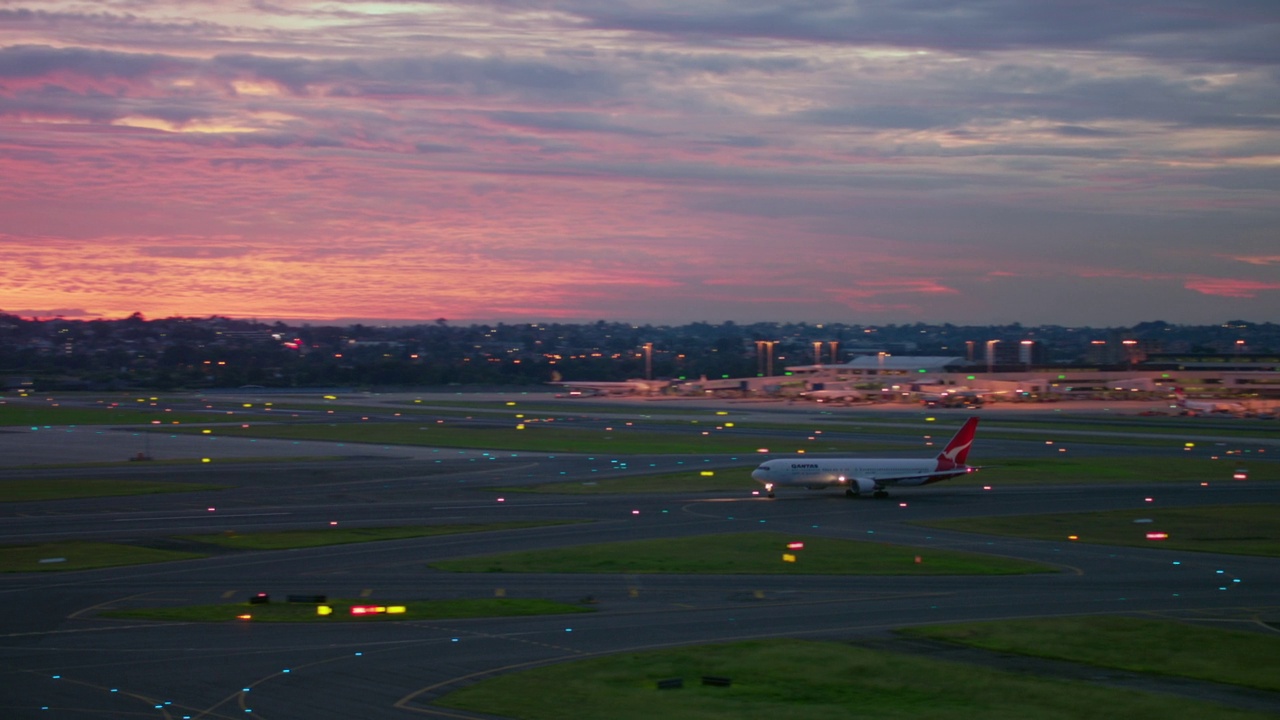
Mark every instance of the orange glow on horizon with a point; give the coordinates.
(318, 162)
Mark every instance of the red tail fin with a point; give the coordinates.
(957, 451)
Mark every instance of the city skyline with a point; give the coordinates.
(1091, 164)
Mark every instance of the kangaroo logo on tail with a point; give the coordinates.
(957, 451)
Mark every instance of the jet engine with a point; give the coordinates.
(862, 485)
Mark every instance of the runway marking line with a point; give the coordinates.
(76, 615)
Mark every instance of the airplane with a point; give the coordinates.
(861, 475)
(620, 387)
(952, 399)
(833, 395)
(1208, 406)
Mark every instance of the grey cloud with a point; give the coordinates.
(720, 63)
(954, 99)
(491, 75)
(54, 313)
(57, 102)
(1081, 131)
(30, 61)
(742, 141)
(574, 121)
(201, 252)
(105, 20)
(1152, 98)
(1239, 29)
(1244, 178)
(430, 148)
(886, 116)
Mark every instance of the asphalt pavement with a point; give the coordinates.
(59, 659)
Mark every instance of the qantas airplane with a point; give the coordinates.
(618, 387)
(860, 475)
(1207, 406)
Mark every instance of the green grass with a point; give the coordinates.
(1066, 469)
(594, 407)
(166, 462)
(1143, 645)
(306, 612)
(1076, 428)
(63, 489)
(689, 481)
(1230, 529)
(81, 556)
(538, 438)
(745, 553)
(805, 680)
(42, 416)
(288, 539)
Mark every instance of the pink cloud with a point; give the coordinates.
(1258, 259)
(1230, 287)
(873, 288)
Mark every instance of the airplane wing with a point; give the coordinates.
(924, 477)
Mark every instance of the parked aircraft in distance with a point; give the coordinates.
(1208, 406)
(619, 387)
(833, 395)
(861, 475)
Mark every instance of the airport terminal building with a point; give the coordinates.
(883, 377)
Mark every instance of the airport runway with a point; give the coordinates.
(61, 661)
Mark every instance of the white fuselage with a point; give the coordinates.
(858, 474)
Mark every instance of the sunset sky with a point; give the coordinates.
(1082, 162)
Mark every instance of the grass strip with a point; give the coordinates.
(1230, 529)
(166, 462)
(805, 680)
(76, 555)
(67, 488)
(535, 438)
(341, 611)
(290, 539)
(1075, 470)
(38, 416)
(1104, 430)
(688, 481)
(755, 553)
(575, 406)
(1163, 647)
